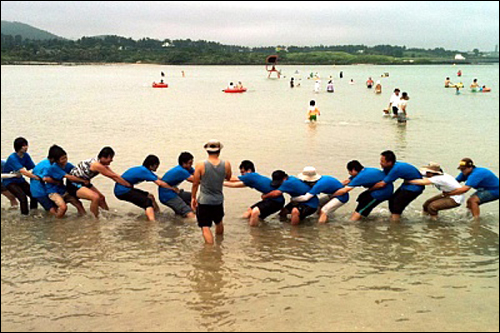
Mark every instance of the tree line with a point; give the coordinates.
(117, 49)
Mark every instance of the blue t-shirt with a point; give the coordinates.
(174, 177)
(481, 178)
(296, 188)
(405, 171)
(37, 187)
(260, 183)
(329, 185)
(14, 163)
(57, 173)
(367, 178)
(135, 176)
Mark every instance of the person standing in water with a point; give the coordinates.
(140, 198)
(330, 87)
(89, 169)
(251, 179)
(394, 103)
(313, 113)
(483, 180)
(179, 200)
(210, 176)
(370, 83)
(317, 86)
(378, 88)
(5, 192)
(20, 162)
(403, 105)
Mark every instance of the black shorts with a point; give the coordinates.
(402, 199)
(305, 210)
(72, 188)
(395, 110)
(137, 197)
(268, 207)
(208, 214)
(366, 204)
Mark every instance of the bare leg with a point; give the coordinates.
(323, 218)
(102, 199)
(207, 235)
(248, 214)
(255, 218)
(77, 204)
(356, 217)
(219, 229)
(93, 197)
(295, 216)
(155, 204)
(474, 206)
(396, 218)
(191, 216)
(12, 199)
(150, 214)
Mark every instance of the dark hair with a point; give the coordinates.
(389, 156)
(185, 157)
(405, 96)
(313, 103)
(278, 178)
(397, 90)
(150, 161)
(247, 165)
(19, 143)
(447, 78)
(53, 151)
(57, 152)
(355, 166)
(106, 152)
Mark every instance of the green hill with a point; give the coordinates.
(26, 31)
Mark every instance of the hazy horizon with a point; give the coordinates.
(415, 24)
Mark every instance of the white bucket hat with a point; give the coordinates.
(309, 175)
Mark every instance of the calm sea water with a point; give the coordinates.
(121, 273)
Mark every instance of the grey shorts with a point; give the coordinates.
(181, 204)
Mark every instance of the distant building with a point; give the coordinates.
(459, 57)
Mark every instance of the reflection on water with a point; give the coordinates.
(131, 266)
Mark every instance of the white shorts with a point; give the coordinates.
(332, 206)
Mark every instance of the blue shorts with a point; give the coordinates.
(46, 203)
(486, 196)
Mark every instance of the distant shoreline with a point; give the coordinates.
(52, 63)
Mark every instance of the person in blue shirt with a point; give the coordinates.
(295, 188)
(54, 176)
(38, 187)
(367, 178)
(138, 197)
(407, 193)
(322, 185)
(483, 180)
(5, 191)
(179, 200)
(21, 162)
(251, 179)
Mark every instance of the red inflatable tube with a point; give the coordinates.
(160, 85)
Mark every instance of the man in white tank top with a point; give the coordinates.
(209, 206)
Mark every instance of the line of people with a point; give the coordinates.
(55, 183)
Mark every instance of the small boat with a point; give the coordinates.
(235, 91)
(160, 85)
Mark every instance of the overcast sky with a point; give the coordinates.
(462, 25)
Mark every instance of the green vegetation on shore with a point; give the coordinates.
(116, 49)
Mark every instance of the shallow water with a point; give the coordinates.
(121, 273)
